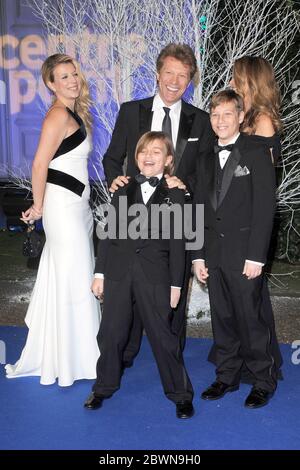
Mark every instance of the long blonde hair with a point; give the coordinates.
(83, 102)
(258, 74)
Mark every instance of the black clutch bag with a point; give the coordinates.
(33, 243)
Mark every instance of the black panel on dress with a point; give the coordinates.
(73, 140)
(65, 180)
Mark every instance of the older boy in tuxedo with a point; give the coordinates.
(147, 272)
(236, 183)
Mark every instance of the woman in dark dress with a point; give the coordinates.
(253, 78)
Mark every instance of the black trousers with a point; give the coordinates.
(153, 304)
(179, 321)
(242, 336)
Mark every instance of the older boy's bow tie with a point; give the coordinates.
(219, 148)
(153, 180)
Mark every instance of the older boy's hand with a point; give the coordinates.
(118, 182)
(175, 296)
(98, 288)
(174, 182)
(252, 270)
(200, 271)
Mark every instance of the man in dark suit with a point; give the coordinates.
(237, 186)
(191, 133)
(146, 271)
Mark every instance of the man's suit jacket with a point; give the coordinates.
(163, 260)
(239, 225)
(135, 118)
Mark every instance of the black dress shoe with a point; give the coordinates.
(217, 390)
(184, 409)
(258, 398)
(93, 402)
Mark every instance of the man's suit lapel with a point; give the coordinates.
(145, 117)
(211, 173)
(185, 126)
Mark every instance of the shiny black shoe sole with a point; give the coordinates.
(253, 407)
(185, 411)
(93, 402)
(185, 416)
(267, 398)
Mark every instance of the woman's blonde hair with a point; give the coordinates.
(258, 74)
(149, 137)
(83, 102)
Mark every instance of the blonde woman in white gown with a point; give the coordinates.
(63, 315)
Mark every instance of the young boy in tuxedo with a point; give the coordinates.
(147, 271)
(236, 184)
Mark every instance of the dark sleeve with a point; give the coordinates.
(114, 156)
(206, 143)
(198, 198)
(207, 140)
(177, 243)
(263, 206)
(103, 244)
(102, 249)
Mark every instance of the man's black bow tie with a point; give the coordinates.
(153, 180)
(219, 148)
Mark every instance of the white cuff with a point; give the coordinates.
(176, 287)
(199, 259)
(98, 276)
(255, 262)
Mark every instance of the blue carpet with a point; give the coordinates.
(138, 416)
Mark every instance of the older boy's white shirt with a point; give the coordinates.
(223, 157)
(159, 114)
(147, 190)
(224, 154)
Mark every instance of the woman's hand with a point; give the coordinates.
(31, 214)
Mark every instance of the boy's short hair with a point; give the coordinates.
(149, 137)
(225, 96)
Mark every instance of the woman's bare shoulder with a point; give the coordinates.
(57, 114)
(264, 125)
(57, 120)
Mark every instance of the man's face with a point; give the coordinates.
(173, 79)
(225, 120)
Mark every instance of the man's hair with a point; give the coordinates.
(149, 137)
(225, 96)
(181, 52)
